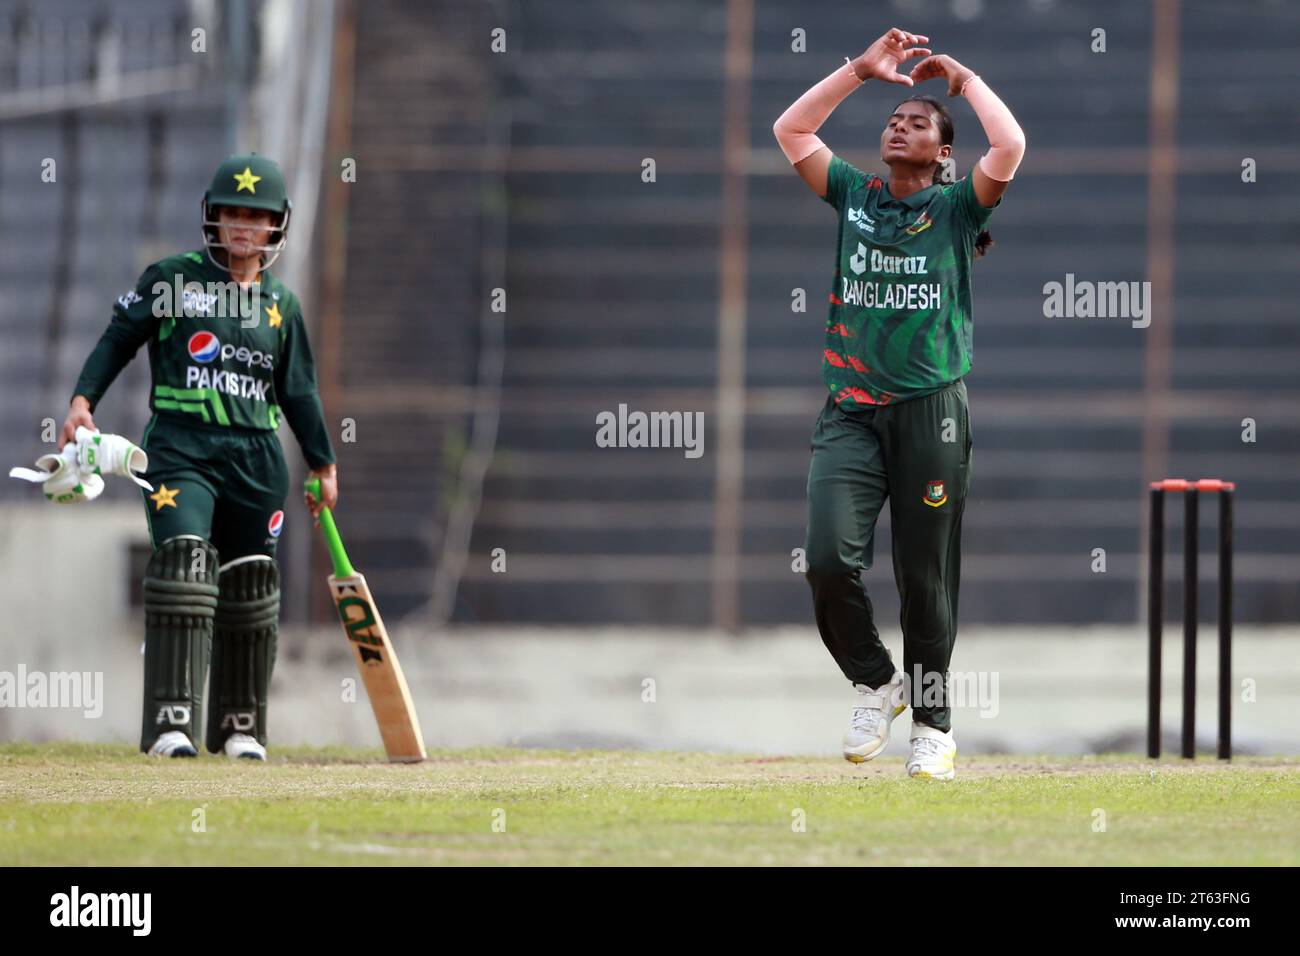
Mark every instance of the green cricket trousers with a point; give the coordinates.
(226, 485)
(917, 454)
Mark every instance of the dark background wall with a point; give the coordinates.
(522, 170)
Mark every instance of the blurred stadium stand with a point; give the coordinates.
(136, 121)
(523, 170)
(614, 299)
(408, 333)
(113, 97)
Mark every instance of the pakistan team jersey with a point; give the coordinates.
(900, 315)
(213, 359)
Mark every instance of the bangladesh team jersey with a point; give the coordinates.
(216, 357)
(900, 316)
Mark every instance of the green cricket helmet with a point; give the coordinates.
(253, 182)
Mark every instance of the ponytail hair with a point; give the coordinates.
(984, 241)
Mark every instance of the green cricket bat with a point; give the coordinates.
(390, 698)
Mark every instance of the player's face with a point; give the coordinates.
(242, 230)
(911, 135)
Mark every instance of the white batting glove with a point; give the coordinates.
(75, 474)
(99, 454)
(62, 478)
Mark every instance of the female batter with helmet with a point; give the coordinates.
(229, 357)
(898, 346)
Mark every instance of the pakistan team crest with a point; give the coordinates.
(935, 495)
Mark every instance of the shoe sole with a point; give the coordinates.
(945, 775)
(852, 756)
(934, 776)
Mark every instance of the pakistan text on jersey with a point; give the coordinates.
(232, 383)
(890, 295)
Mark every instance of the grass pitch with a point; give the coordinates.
(72, 804)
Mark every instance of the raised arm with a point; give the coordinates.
(796, 130)
(993, 173)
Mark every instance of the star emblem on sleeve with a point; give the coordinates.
(164, 496)
(273, 314)
(246, 180)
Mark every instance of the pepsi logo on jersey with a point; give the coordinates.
(205, 346)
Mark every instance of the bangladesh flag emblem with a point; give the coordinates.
(923, 222)
(935, 494)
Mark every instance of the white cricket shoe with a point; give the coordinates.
(933, 753)
(873, 711)
(173, 743)
(242, 745)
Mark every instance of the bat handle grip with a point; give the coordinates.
(342, 566)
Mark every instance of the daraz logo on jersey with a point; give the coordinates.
(858, 261)
(895, 296)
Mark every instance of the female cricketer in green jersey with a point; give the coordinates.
(898, 345)
(229, 356)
